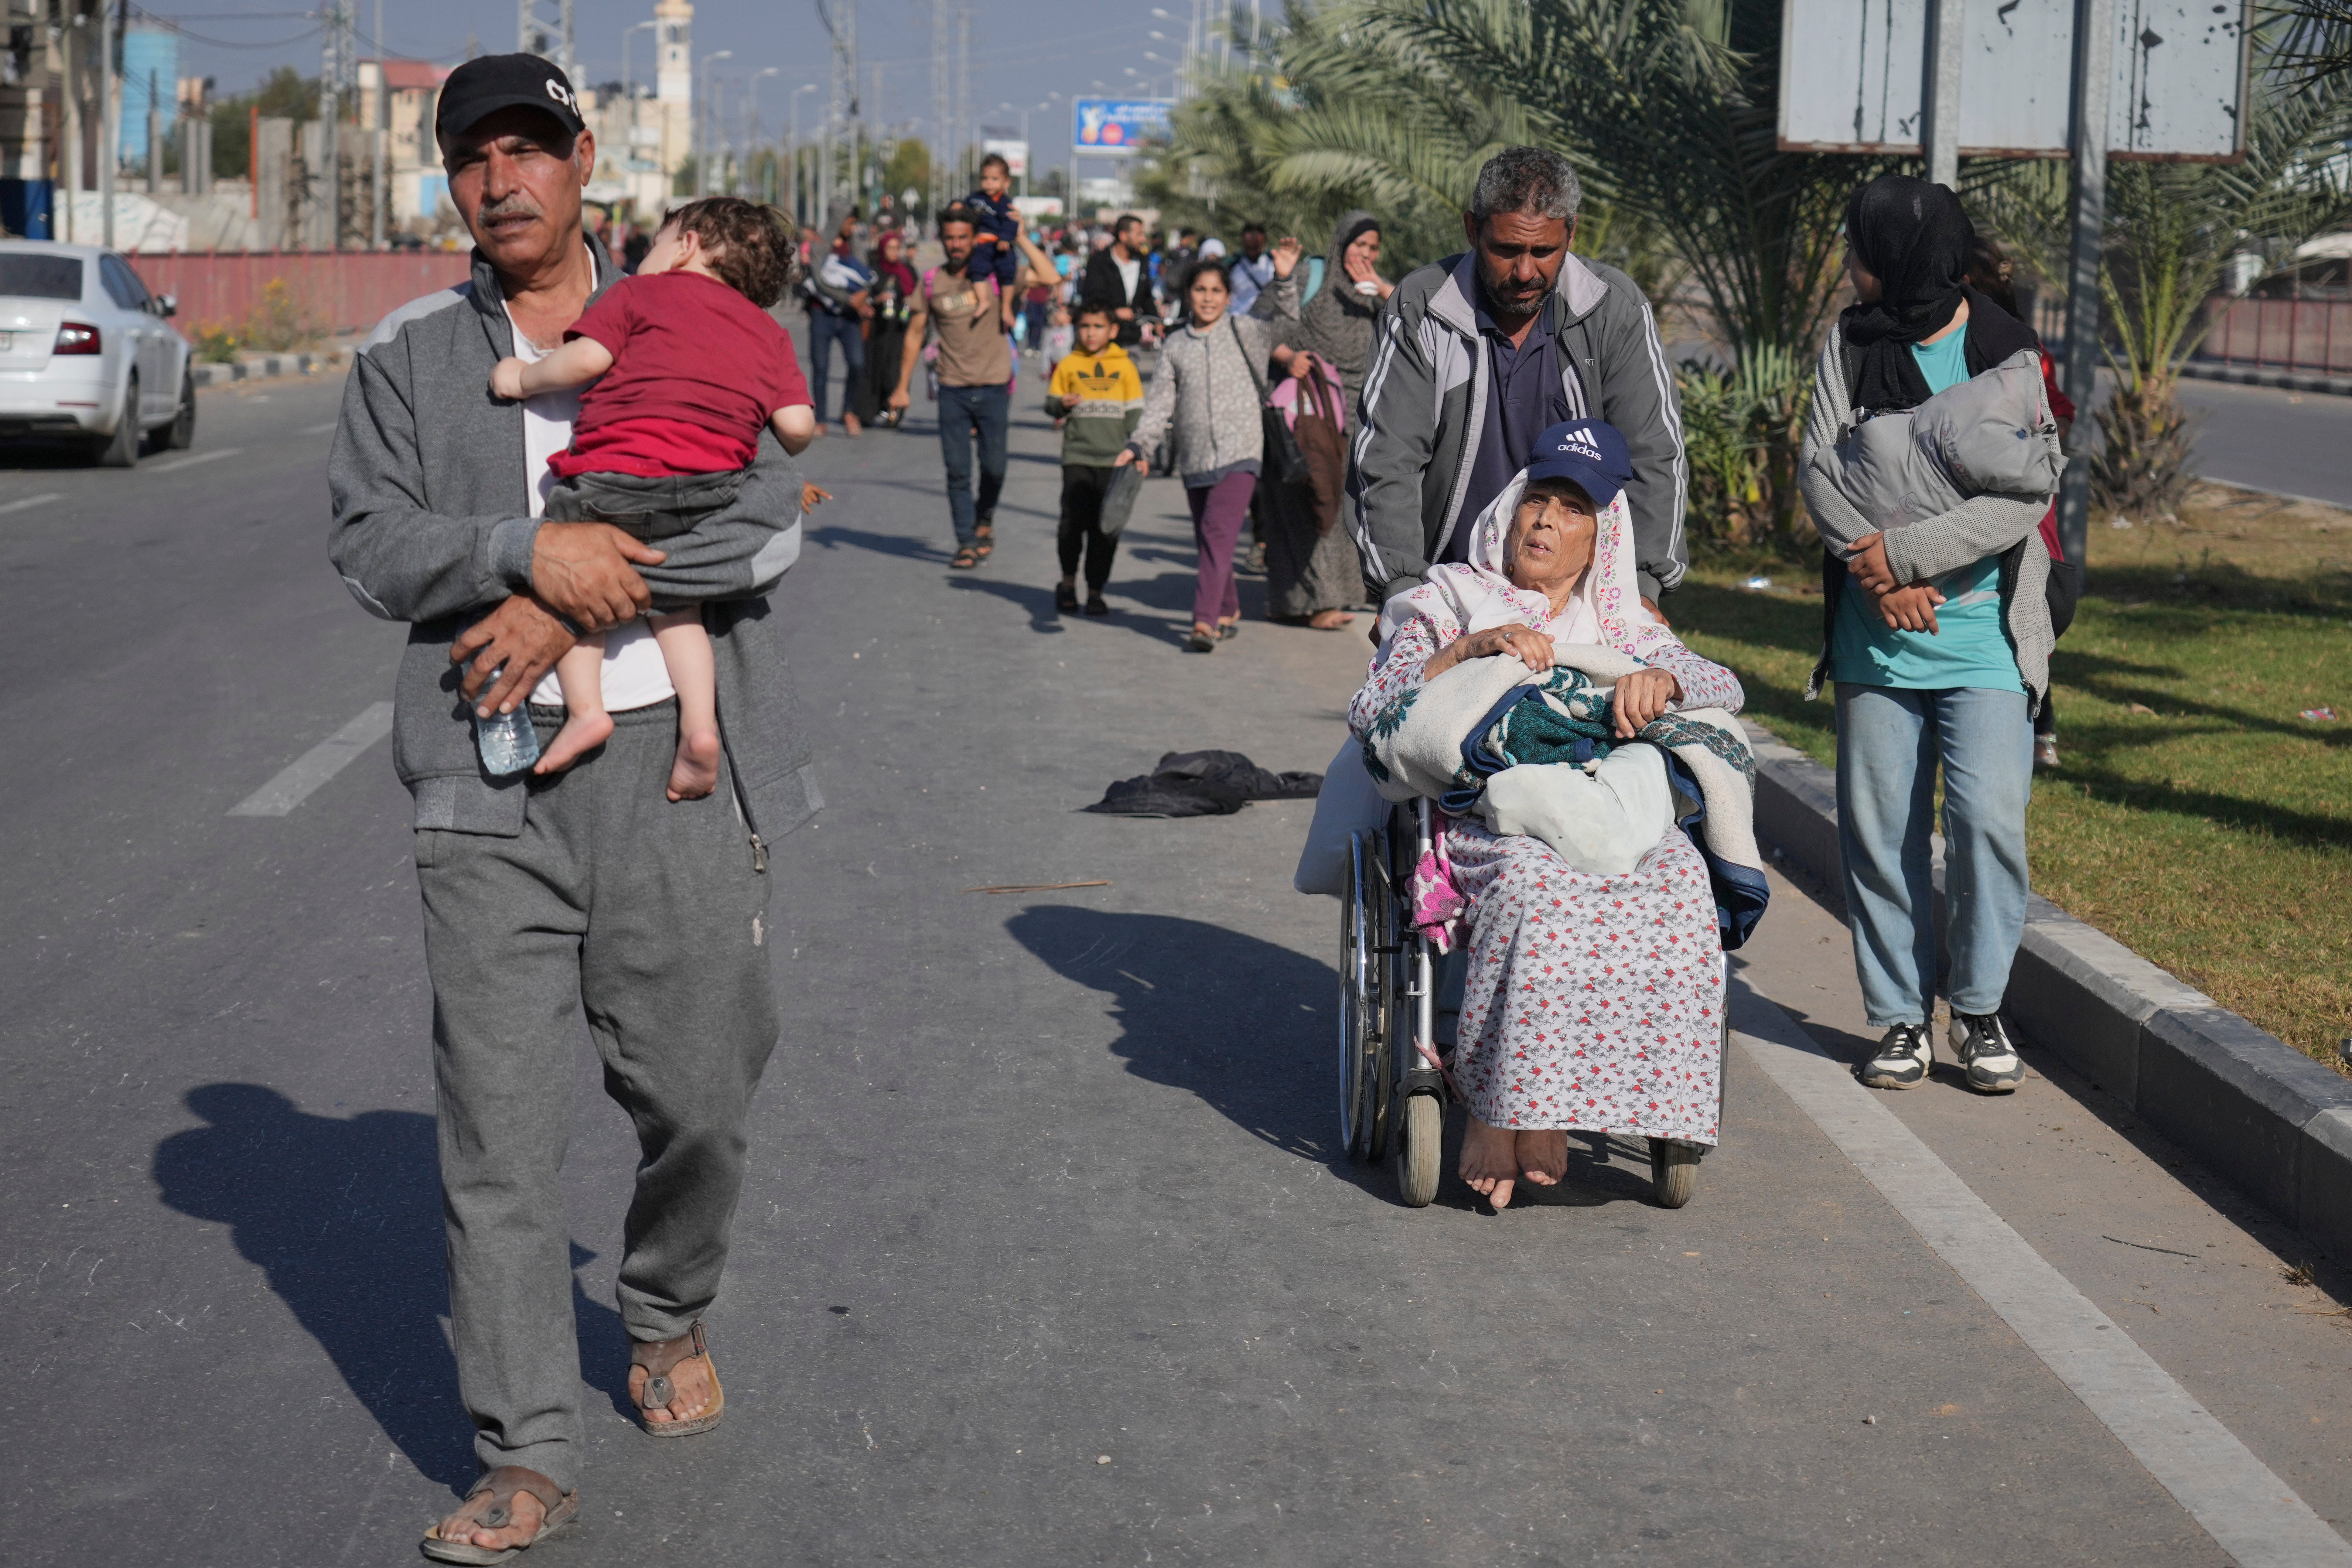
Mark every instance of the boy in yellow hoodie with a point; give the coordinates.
(1098, 396)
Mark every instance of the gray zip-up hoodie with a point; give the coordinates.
(432, 526)
(1427, 396)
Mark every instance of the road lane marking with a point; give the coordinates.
(2249, 1513)
(315, 766)
(174, 465)
(32, 501)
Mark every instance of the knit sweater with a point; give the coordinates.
(1986, 524)
(1208, 391)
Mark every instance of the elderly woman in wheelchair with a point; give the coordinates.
(1596, 847)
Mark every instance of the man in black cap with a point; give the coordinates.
(586, 893)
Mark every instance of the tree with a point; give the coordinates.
(2171, 231)
(283, 94)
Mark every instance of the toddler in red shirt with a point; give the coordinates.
(692, 368)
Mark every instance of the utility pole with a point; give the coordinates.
(1942, 98)
(2094, 42)
(840, 19)
(942, 108)
(109, 139)
(331, 114)
(380, 170)
(963, 98)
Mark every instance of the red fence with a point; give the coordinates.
(2286, 334)
(343, 291)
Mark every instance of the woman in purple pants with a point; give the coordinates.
(1207, 392)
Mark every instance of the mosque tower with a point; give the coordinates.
(673, 83)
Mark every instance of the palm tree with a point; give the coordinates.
(2172, 229)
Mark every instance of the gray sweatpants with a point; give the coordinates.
(646, 916)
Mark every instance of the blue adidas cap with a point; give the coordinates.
(1589, 451)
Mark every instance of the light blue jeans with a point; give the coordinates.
(1890, 740)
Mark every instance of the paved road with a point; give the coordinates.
(1046, 1256)
(2298, 443)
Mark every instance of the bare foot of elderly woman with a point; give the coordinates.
(1543, 1155)
(1490, 1161)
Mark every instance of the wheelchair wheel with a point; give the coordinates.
(1420, 1137)
(1366, 998)
(1674, 1171)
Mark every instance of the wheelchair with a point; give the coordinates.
(1392, 1089)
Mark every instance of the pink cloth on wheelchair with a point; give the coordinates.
(1438, 902)
(1593, 1002)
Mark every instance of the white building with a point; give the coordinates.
(643, 139)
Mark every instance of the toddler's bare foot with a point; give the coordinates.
(1490, 1161)
(581, 733)
(1543, 1155)
(696, 772)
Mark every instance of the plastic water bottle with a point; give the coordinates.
(507, 741)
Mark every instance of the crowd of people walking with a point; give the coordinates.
(1485, 452)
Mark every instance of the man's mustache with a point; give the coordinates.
(514, 205)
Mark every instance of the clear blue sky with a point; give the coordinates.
(1021, 49)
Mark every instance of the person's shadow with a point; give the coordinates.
(343, 1214)
(1247, 1025)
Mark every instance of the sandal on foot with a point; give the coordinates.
(1095, 605)
(1199, 641)
(658, 1357)
(501, 1486)
(982, 549)
(1228, 630)
(965, 559)
(1065, 598)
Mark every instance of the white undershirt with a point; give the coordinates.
(635, 674)
(1127, 276)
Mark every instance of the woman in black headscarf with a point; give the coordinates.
(1938, 636)
(1313, 574)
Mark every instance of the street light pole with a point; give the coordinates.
(701, 130)
(627, 81)
(379, 174)
(798, 219)
(751, 114)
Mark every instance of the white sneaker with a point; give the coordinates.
(1904, 1059)
(1981, 1042)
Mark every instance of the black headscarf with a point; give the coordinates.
(1914, 238)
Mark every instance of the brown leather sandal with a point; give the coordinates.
(658, 1357)
(501, 1486)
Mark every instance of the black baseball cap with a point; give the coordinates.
(1589, 451)
(483, 86)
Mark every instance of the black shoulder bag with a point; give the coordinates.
(1283, 463)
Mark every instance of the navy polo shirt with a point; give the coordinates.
(1524, 400)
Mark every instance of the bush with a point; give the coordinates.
(214, 343)
(1741, 432)
(279, 321)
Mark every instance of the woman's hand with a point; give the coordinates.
(1531, 648)
(1286, 253)
(1126, 455)
(1911, 609)
(1641, 696)
(1867, 564)
(1304, 366)
(1363, 271)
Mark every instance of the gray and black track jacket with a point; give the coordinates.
(1427, 396)
(433, 526)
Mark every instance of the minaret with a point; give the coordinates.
(673, 80)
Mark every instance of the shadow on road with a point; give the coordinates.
(343, 1214)
(1239, 1021)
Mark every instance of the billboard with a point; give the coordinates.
(1117, 124)
(1015, 153)
(1854, 78)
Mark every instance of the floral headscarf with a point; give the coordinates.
(1606, 608)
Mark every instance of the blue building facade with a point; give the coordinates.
(151, 80)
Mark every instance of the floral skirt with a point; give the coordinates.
(1593, 1002)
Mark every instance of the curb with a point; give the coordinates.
(259, 367)
(2256, 375)
(2246, 1104)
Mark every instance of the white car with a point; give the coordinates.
(86, 353)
